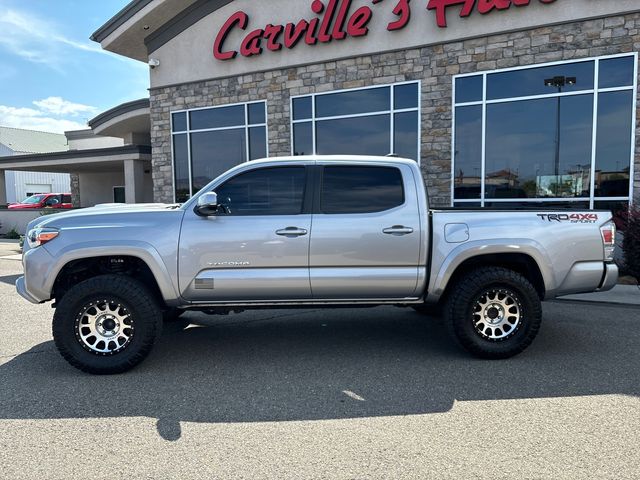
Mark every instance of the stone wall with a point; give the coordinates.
(75, 189)
(434, 65)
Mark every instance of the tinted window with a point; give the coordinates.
(616, 72)
(179, 122)
(468, 152)
(302, 108)
(181, 167)
(354, 136)
(533, 81)
(303, 138)
(66, 199)
(361, 189)
(269, 191)
(217, 117)
(529, 153)
(353, 102)
(257, 143)
(613, 153)
(405, 96)
(256, 113)
(469, 89)
(213, 153)
(406, 135)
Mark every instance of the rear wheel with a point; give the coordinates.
(494, 312)
(107, 324)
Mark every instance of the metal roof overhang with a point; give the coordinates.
(77, 161)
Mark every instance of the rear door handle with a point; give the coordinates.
(398, 230)
(291, 232)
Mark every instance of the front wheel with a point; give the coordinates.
(107, 324)
(494, 312)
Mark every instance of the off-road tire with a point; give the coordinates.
(145, 314)
(464, 297)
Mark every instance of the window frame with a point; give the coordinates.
(189, 131)
(595, 91)
(392, 111)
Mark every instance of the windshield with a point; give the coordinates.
(33, 200)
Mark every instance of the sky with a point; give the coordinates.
(52, 77)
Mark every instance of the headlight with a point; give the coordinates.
(40, 236)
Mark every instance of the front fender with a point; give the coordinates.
(440, 280)
(139, 249)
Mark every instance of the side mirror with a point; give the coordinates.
(207, 205)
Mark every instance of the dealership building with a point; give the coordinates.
(503, 103)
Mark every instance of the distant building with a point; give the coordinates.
(20, 185)
(110, 161)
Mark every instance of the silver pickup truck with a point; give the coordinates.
(301, 231)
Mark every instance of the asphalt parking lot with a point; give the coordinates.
(378, 393)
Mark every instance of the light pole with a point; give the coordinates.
(558, 82)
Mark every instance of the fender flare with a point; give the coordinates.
(141, 250)
(438, 283)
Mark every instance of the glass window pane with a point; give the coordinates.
(533, 81)
(267, 191)
(616, 72)
(303, 139)
(361, 189)
(181, 167)
(613, 150)
(256, 113)
(468, 152)
(463, 205)
(354, 136)
(405, 96)
(213, 153)
(302, 108)
(119, 195)
(539, 148)
(406, 135)
(179, 122)
(469, 89)
(217, 117)
(257, 143)
(353, 102)
(538, 205)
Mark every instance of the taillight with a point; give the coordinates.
(608, 232)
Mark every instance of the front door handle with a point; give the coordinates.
(398, 230)
(291, 232)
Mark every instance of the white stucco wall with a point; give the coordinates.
(97, 188)
(95, 142)
(189, 56)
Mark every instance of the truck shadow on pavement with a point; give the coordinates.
(314, 365)
(9, 279)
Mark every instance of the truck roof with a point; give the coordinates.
(337, 158)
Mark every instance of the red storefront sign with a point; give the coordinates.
(334, 20)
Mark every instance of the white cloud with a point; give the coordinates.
(59, 106)
(48, 117)
(39, 41)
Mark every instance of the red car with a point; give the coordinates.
(45, 200)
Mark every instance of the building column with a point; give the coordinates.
(134, 181)
(3, 188)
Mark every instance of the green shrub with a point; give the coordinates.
(631, 244)
(13, 234)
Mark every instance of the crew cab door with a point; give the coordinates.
(258, 249)
(366, 233)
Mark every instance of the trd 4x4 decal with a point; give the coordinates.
(569, 217)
